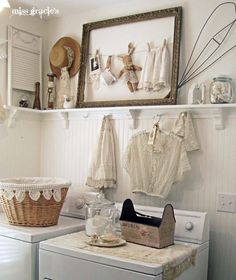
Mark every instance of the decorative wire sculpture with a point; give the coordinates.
(189, 71)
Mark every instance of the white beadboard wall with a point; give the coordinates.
(20, 147)
(67, 152)
(45, 148)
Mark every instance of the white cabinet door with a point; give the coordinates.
(17, 259)
(54, 266)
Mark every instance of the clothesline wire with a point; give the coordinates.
(184, 79)
(117, 55)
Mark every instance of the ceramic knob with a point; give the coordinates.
(79, 203)
(189, 226)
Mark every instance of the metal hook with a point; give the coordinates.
(155, 120)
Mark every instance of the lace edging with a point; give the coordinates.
(33, 194)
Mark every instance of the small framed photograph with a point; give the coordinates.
(94, 64)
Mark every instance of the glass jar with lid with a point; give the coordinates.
(99, 213)
(221, 90)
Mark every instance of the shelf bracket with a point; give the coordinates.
(12, 118)
(219, 119)
(65, 118)
(132, 116)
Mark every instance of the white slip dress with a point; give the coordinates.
(157, 69)
(161, 72)
(147, 72)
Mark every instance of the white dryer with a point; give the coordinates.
(60, 260)
(19, 246)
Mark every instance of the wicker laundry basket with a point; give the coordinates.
(33, 201)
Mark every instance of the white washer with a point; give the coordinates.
(59, 261)
(19, 246)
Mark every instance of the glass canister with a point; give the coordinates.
(221, 90)
(99, 214)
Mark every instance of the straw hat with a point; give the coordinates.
(65, 53)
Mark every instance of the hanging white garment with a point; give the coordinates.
(2, 112)
(102, 172)
(184, 128)
(63, 90)
(164, 78)
(147, 72)
(153, 170)
(157, 69)
(161, 75)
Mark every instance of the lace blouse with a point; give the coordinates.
(153, 169)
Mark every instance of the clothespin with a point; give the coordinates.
(97, 52)
(108, 63)
(158, 120)
(155, 129)
(164, 44)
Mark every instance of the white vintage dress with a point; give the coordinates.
(161, 71)
(155, 75)
(146, 75)
(153, 169)
(102, 172)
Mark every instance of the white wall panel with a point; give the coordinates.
(20, 147)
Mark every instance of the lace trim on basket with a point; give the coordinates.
(9, 194)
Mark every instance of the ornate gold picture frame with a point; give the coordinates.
(134, 46)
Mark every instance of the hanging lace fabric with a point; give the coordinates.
(102, 172)
(183, 127)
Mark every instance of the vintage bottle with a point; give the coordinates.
(37, 97)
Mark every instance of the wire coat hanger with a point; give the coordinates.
(187, 74)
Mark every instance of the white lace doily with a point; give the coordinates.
(18, 187)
